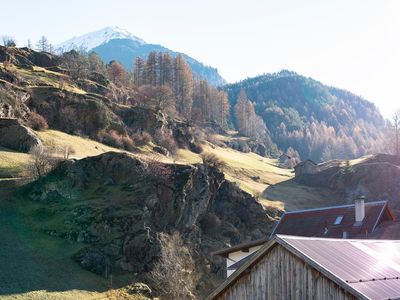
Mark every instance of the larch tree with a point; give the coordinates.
(138, 71)
(394, 134)
(241, 113)
(116, 72)
(43, 44)
(96, 64)
(151, 69)
(167, 75)
(248, 122)
(183, 86)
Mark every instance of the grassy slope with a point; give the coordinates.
(11, 163)
(80, 147)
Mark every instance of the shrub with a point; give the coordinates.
(165, 139)
(111, 138)
(37, 121)
(211, 160)
(210, 222)
(174, 273)
(243, 146)
(141, 139)
(196, 148)
(128, 143)
(115, 139)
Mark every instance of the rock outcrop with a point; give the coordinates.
(25, 57)
(131, 201)
(15, 136)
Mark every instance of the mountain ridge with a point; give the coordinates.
(96, 38)
(114, 43)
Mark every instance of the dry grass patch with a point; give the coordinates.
(80, 147)
(12, 163)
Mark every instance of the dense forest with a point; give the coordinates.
(318, 121)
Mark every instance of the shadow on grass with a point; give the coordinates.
(296, 196)
(32, 261)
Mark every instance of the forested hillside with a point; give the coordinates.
(318, 121)
(125, 51)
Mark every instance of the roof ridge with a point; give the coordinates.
(295, 237)
(373, 279)
(333, 207)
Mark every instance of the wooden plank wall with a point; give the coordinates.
(281, 275)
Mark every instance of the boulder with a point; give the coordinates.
(15, 136)
(139, 288)
(161, 150)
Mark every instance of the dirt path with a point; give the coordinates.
(31, 262)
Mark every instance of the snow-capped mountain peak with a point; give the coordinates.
(93, 39)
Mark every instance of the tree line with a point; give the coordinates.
(42, 44)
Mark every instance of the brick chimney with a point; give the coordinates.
(359, 207)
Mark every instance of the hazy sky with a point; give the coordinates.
(352, 44)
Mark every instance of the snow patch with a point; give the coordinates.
(94, 39)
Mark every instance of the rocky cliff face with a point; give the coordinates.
(117, 204)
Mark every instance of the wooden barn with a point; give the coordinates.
(307, 167)
(291, 267)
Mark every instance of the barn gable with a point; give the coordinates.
(313, 268)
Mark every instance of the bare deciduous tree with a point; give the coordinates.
(8, 41)
(211, 160)
(393, 139)
(174, 273)
(43, 44)
(41, 162)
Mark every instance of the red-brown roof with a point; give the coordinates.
(387, 231)
(321, 222)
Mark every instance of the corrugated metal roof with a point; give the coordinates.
(371, 267)
(321, 222)
(368, 269)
